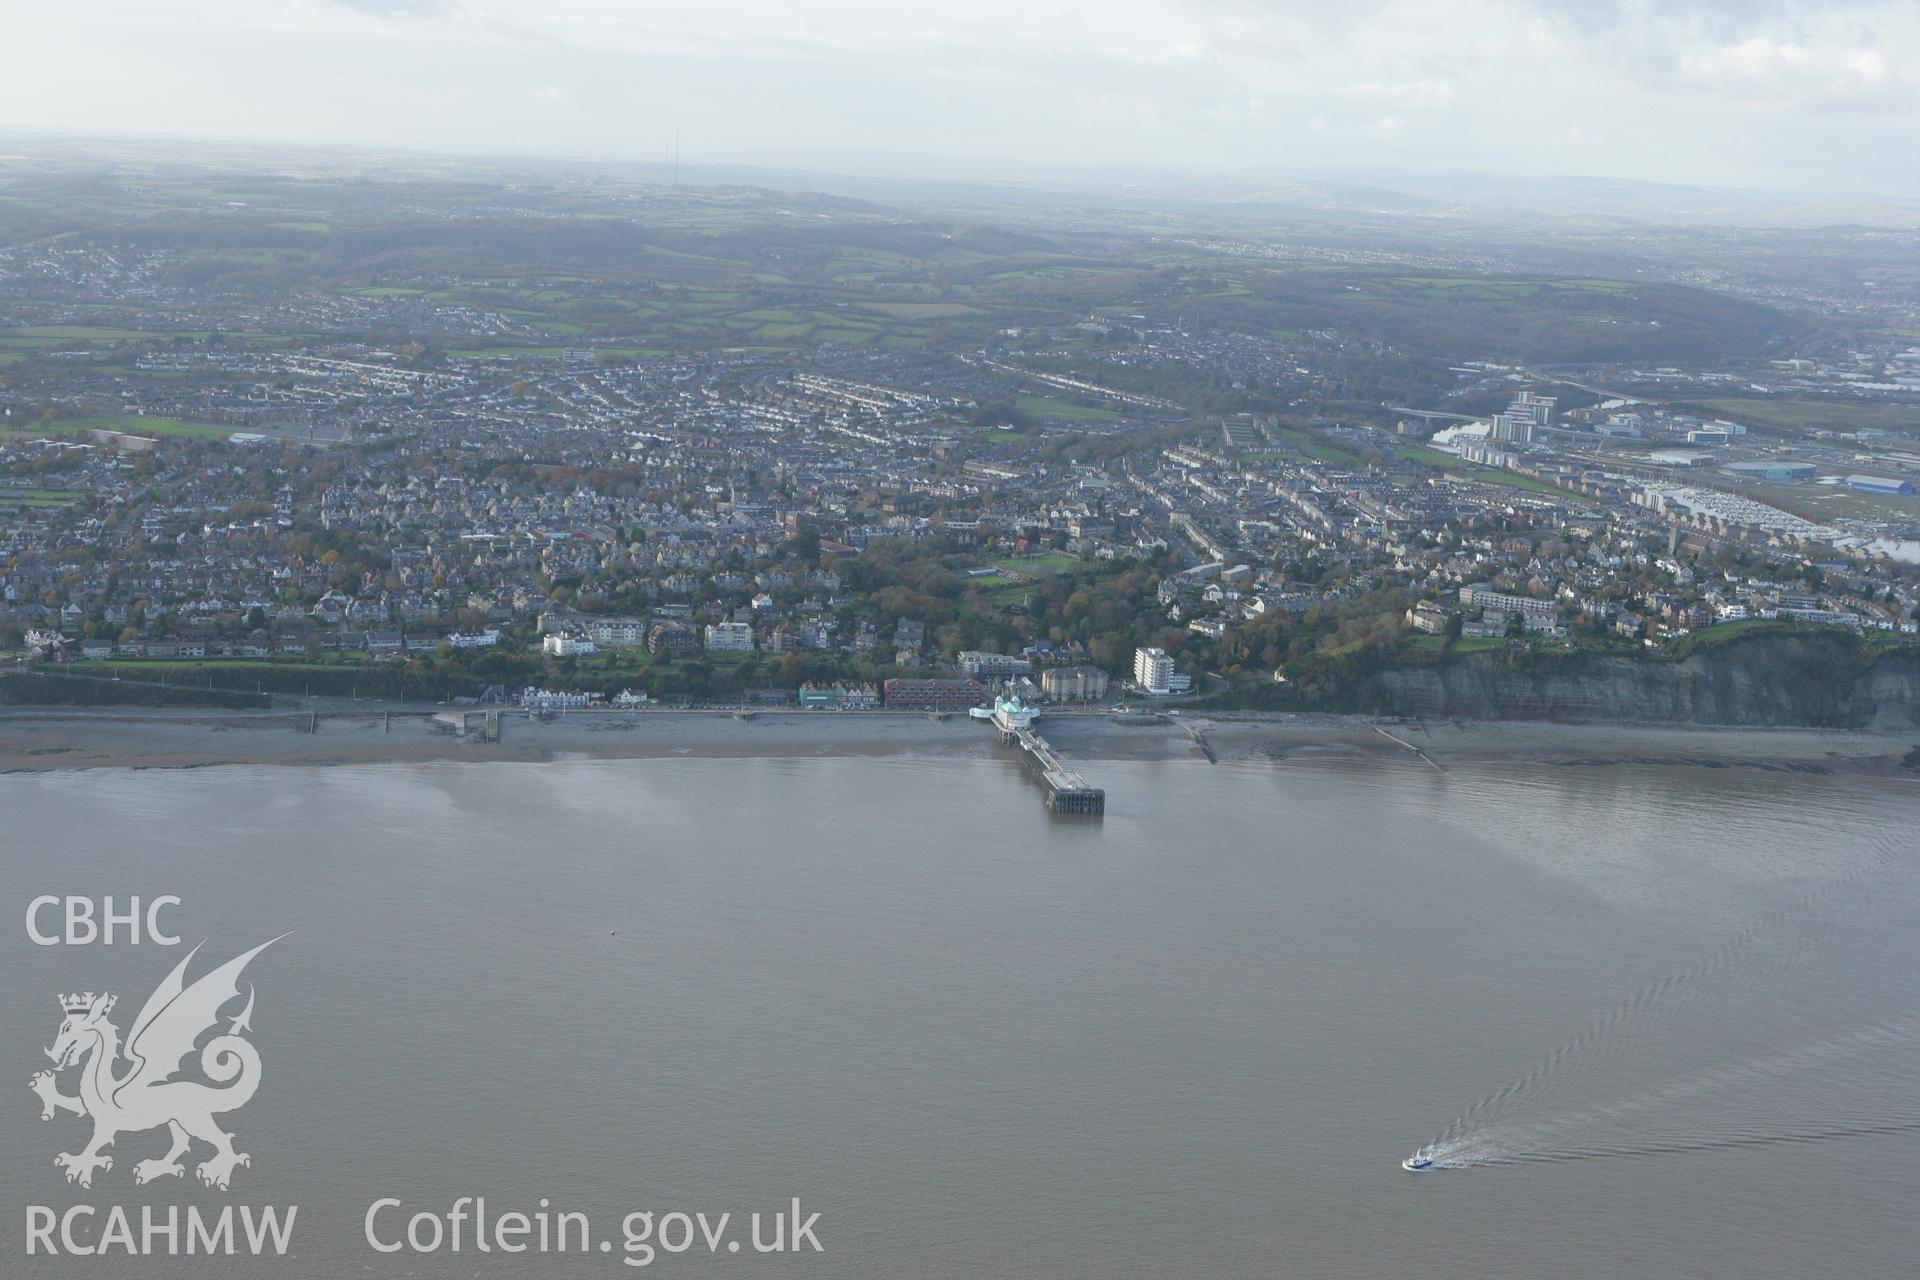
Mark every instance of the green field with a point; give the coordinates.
(1721, 632)
(1495, 289)
(134, 666)
(921, 310)
(1008, 593)
(768, 312)
(1726, 630)
(11, 497)
(1048, 407)
(1527, 483)
(1486, 475)
(1318, 449)
(552, 353)
(1040, 566)
(531, 353)
(1798, 415)
(135, 424)
(44, 335)
(1464, 644)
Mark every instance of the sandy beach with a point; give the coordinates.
(43, 739)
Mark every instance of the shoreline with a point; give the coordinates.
(45, 740)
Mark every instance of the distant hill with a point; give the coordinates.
(1525, 319)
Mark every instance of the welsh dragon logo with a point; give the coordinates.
(146, 1094)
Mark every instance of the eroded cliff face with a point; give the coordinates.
(1810, 679)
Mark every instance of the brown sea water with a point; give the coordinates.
(1668, 1015)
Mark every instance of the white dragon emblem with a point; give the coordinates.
(146, 1095)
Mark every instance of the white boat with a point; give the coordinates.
(1417, 1161)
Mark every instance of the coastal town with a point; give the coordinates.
(397, 490)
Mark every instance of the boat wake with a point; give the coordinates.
(1480, 1154)
(1761, 953)
(1840, 1084)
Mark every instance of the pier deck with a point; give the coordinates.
(1067, 791)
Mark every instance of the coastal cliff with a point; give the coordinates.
(1820, 679)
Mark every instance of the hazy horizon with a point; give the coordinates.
(1757, 95)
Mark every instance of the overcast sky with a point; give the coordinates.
(1777, 93)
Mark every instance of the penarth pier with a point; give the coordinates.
(1067, 791)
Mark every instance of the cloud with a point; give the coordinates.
(1720, 16)
(1794, 75)
(1767, 92)
(1383, 129)
(396, 8)
(1251, 15)
(1113, 110)
(1418, 93)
